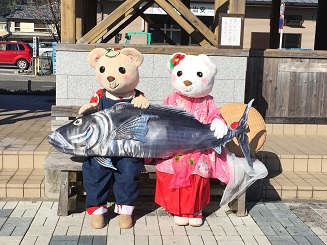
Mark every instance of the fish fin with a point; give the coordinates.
(173, 109)
(105, 161)
(135, 128)
(243, 141)
(242, 138)
(166, 108)
(218, 149)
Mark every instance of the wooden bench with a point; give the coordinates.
(65, 164)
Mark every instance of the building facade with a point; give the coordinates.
(27, 21)
(298, 29)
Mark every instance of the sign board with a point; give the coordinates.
(35, 47)
(54, 59)
(198, 9)
(231, 27)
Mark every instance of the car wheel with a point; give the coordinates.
(22, 64)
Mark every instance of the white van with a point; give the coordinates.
(45, 46)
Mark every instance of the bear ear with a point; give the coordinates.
(94, 56)
(174, 60)
(209, 63)
(134, 55)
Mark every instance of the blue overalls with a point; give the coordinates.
(97, 178)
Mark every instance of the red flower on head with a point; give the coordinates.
(176, 59)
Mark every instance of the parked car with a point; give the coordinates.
(45, 63)
(45, 46)
(16, 53)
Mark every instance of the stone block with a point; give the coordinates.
(73, 63)
(61, 86)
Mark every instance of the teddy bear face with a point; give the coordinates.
(192, 76)
(117, 77)
(116, 70)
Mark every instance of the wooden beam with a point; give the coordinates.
(195, 21)
(128, 21)
(237, 6)
(183, 23)
(157, 29)
(220, 6)
(110, 21)
(68, 20)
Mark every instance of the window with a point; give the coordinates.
(17, 26)
(294, 21)
(3, 27)
(11, 47)
(168, 26)
(172, 29)
(21, 47)
(2, 46)
(291, 40)
(40, 27)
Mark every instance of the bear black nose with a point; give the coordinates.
(187, 83)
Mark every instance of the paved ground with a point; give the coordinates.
(36, 222)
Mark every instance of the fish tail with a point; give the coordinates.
(242, 138)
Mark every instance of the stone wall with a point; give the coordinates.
(76, 82)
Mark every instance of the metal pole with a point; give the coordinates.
(29, 85)
(280, 38)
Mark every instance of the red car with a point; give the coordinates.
(16, 53)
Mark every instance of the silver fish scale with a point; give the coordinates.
(156, 132)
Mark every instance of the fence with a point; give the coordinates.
(289, 86)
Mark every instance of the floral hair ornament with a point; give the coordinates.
(116, 50)
(176, 59)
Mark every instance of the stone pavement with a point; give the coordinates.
(24, 124)
(36, 222)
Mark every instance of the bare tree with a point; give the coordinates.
(49, 16)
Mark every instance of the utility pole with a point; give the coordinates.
(321, 26)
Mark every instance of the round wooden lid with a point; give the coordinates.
(256, 130)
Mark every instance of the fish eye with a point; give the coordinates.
(199, 73)
(78, 122)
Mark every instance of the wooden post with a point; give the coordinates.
(237, 6)
(221, 6)
(80, 19)
(68, 21)
(274, 25)
(184, 35)
(321, 26)
(90, 15)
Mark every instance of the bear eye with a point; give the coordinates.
(179, 73)
(199, 73)
(78, 122)
(102, 69)
(122, 70)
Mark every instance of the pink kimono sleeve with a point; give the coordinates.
(213, 111)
